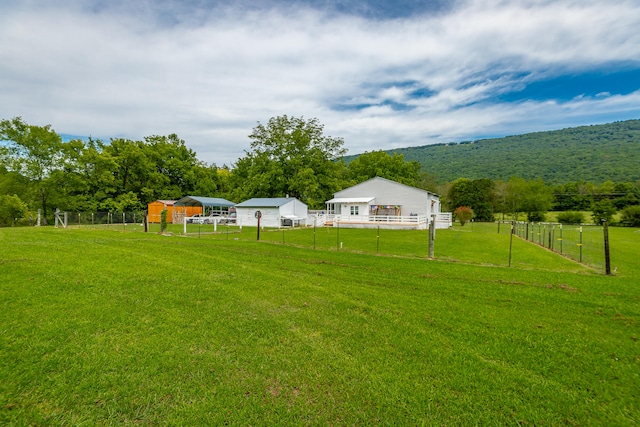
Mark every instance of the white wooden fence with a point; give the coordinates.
(443, 220)
(420, 222)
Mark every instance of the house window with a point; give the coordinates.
(355, 210)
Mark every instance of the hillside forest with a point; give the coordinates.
(596, 153)
(591, 168)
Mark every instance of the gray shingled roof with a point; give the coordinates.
(265, 202)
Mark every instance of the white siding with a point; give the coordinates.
(271, 216)
(295, 208)
(363, 209)
(396, 204)
(411, 200)
(247, 216)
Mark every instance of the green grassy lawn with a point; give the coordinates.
(105, 327)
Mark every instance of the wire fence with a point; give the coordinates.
(131, 222)
(582, 243)
(121, 221)
(370, 240)
(316, 237)
(99, 219)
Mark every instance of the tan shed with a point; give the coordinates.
(155, 209)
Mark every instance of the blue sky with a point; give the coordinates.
(380, 74)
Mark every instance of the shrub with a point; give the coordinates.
(163, 220)
(603, 210)
(570, 217)
(12, 209)
(463, 214)
(630, 216)
(536, 216)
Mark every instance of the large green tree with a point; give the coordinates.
(531, 197)
(11, 182)
(34, 152)
(133, 166)
(176, 169)
(380, 163)
(572, 196)
(478, 194)
(290, 155)
(626, 194)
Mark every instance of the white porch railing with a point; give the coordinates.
(396, 219)
(443, 220)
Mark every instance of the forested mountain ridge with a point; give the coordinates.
(595, 153)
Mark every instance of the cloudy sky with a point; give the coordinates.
(381, 74)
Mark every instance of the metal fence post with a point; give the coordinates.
(432, 236)
(560, 239)
(511, 243)
(607, 258)
(580, 244)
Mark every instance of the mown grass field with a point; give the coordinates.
(105, 327)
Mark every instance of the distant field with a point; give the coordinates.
(101, 327)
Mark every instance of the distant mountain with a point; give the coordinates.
(590, 153)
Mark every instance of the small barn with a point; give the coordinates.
(274, 212)
(197, 205)
(154, 210)
(383, 202)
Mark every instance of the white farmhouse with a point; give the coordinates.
(382, 202)
(274, 212)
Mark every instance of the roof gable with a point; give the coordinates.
(351, 200)
(380, 182)
(258, 202)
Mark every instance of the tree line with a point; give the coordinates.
(286, 156)
(519, 198)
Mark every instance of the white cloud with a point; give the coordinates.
(210, 76)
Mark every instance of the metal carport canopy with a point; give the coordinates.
(204, 202)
